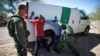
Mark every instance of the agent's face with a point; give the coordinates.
(23, 12)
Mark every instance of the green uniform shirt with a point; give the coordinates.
(20, 30)
(69, 32)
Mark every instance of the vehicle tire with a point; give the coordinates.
(50, 38)
(86, 32)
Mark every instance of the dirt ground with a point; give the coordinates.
(86, 45)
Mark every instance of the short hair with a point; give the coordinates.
(36, 17)
(63, 26)
(21, 6)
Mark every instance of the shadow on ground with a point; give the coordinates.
(85, 44)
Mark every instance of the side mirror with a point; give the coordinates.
(87, 17)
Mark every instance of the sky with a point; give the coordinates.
(87, 5)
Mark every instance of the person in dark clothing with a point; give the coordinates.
(57, 32)
(39, 34)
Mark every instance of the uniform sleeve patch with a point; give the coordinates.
(20, 24)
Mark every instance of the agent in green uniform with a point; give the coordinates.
(20, 31)
(69, 38)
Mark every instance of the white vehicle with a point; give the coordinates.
(76, 18)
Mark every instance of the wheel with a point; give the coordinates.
(86, 32)
(49, 37)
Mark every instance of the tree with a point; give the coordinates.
(95, 15)
(8, 6)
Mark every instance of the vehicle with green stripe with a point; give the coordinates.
(73, 17)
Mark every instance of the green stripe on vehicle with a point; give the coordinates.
(65, 15)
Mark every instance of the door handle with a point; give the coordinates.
(72, 21)
(79, 21)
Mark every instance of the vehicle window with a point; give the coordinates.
(82, 15)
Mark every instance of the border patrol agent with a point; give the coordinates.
(20, 31)
(68, 31)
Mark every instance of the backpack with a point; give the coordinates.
(10, 27)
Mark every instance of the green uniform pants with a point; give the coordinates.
(70, 43)
(21, 51)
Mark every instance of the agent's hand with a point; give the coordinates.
(24, 46)
(27, 33)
